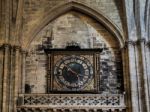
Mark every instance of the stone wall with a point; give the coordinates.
(34, 10)
(15, 25)
(88, 34)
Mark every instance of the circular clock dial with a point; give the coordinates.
(73, 72)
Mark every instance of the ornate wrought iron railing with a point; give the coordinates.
(72, 101)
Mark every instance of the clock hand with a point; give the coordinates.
(71, 70)
(77, 74)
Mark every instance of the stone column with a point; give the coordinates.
(147, 59)
(5, 79)
(148, 63)
(133, 77)
(11, 83)
(126, 77)
(23, 72)
(139, 70)
(1, 76)
(145, 75)
(16, 81)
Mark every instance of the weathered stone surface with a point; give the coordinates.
(34, 10)
(80, 29)
(1, 76)
(129, 17)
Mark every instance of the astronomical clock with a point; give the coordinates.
(73, 70)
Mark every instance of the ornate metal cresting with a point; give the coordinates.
(71, 101)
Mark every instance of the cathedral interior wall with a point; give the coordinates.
(120, 28)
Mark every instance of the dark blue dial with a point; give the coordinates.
(73, 72)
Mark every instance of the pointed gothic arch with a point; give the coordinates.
(61, 9)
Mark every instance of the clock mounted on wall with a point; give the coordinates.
(73, 70)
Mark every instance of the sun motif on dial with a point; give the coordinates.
(73, 72)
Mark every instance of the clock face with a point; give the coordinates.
(73, 72)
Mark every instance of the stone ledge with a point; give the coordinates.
(70, 108)
(71, 100)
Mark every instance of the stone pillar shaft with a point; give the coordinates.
(142, 76)
(133, 78)
(16, 77)
(146, 85)
(126, 76)
(7, 20)
(139, 70)
(23, 71)
(11, 82)
(1, 75)
(145, 74)
(139, 76)
(148, 65)
(5, 78)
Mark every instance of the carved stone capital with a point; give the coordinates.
(140, 41)
(134, 42)
(125, 46)
(148, 44)
(24, 53)
(17, 48)
(130, 43)
(6, 46)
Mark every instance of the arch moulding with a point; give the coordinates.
(61, 9)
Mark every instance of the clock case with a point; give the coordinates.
(72, 50)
